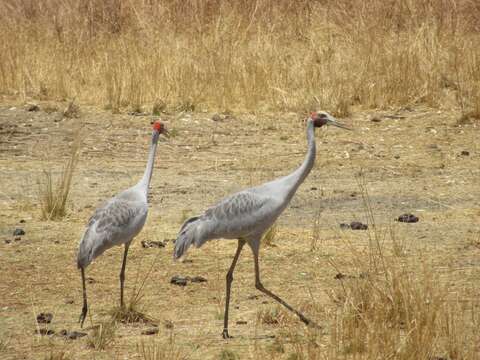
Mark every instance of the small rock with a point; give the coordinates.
(91, 280)
(313, 188)
(465, 153)
(396, 156)
(252, 297)
(44, 318)
(17, 238)
(198, 279)
(178, 280)
(376, 119)
(8, 241)
(152, 244)
(31, 107)
(241, 322)
(217, 117)
(44, 331)
(339, 276)
(72, 335)
(407, 218)
(356, 225)
(150, 331)
(22, 221)
(344, 226)
(18, 232)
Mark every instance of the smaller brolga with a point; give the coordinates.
(117, 222)
(248, 214)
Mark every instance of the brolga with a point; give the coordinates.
(248, 214)
(117, 222)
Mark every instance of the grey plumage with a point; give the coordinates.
(117, 222)
(248, 214)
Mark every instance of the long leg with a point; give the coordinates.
(229, 286)
(259, 286)
(122, 274)
(83, 315)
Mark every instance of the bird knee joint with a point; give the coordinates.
(229, 276)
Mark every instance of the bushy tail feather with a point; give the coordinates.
(186, 237)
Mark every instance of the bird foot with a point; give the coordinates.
(225, 334)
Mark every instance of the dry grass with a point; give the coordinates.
(246, 55)
(102, 335)
(53, 194)
(158, 351)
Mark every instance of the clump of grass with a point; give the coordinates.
(271, 315)
(159, 351)
(53, 195)
(159, 106)
(227, 354)
(102, 335)
(72, 110)
(60, 355)
(268, 239)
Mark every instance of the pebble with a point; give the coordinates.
(407, 218)
(178, 280)
(354, 225)
(152, 244)
(465, 153)
(31, 107)
(44, 331)
(150, 331)
(198, 279)
(241, 322)
(72, 335)
(44, 318)
(18, 232)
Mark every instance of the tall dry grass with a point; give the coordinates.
(243, 55)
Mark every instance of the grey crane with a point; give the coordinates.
(248, 214)
(117, 222)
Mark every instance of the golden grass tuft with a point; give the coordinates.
(246, 55)
(102, 335)
(53, 194)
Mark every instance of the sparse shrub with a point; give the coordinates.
(72, 110)
(53, 194)
(60, 355)
(227, 354)
(102, 335)
(159, 350)
(159, 107)
(271, 315)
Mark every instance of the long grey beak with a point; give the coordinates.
(335, 122)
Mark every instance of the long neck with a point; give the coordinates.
(296, 178)
(147, 175)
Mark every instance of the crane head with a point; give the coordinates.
(159, 128)
(321, 118)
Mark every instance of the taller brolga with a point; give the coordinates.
(117, 222)
(248, 214)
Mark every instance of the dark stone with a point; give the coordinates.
(178, 280)
(44, 318)
(150, 331)
(407, 218)
(198, 279)
(18, 232)
(344, 226)
(241, 322)
(339, 276)
(17, 238)
(32, 107)
(313, 188)
(465, 153)
(356, 225)
(8, 241)
(44, 331)
(152, 244)
(22, 221)
(72, 335)
(91, 280)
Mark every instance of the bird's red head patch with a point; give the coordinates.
(158, 126)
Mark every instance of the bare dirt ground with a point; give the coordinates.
(411, 162)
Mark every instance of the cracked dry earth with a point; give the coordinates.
(417, 161)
